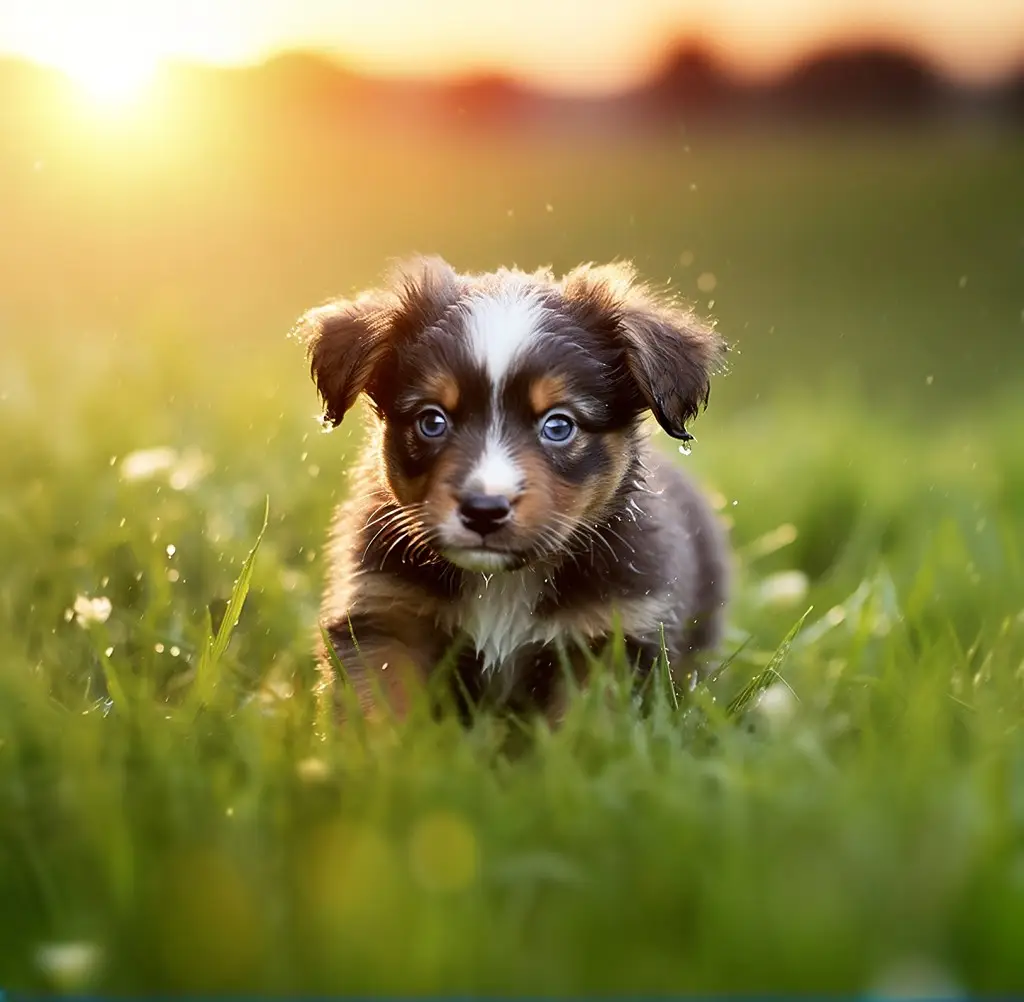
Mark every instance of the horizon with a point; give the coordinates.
(115, 49)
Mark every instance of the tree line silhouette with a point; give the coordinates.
(835, 86)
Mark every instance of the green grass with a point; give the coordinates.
(170, 798)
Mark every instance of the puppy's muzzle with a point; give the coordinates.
(484, 513)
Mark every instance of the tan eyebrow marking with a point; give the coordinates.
(546, 392)
(442, 387)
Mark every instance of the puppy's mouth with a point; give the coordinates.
(483, 559)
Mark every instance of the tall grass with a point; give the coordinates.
(841, 808)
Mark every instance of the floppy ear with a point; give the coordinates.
(346, 341)
(669, 353)
(351, 344)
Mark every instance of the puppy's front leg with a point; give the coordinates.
(379, 663)
(581, 661)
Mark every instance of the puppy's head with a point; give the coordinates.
(509, 403)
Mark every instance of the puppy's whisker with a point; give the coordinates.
(403, 537)
(389, 525)
(375, 518)
(605, 529)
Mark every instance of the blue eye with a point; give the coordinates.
(558, 428)
(431, 423)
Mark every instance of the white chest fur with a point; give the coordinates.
(497, 613)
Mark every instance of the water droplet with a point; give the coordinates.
(171, 549)
(109, 651)
(685, 450)
(159, 648)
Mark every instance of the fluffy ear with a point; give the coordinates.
(346, 342)
(669, 353)
(352, 344)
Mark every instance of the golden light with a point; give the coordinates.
(112, 70)
(112, 82)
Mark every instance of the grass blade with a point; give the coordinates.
(764, 678)
(213, 647)
(238, 595)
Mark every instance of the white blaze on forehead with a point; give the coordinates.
(496, 471)
(501, 324)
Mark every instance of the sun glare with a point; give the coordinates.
(113, 83)
(111, 70)
(113, 80)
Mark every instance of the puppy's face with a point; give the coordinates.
(509, 403)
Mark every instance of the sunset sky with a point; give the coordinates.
(574, 44)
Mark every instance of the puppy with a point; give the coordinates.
(509, 516)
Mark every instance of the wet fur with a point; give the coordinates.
(605, 534)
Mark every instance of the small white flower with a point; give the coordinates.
(91, 610)
(191, 467)
(784, 588)
(777, 704)
(69, 966)
(183, 470)
(146, 463)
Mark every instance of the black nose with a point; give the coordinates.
(484, 513)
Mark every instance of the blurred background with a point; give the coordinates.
(840, 185)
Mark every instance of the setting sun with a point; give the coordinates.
(110, 72)
(112, 81)
(111, 53)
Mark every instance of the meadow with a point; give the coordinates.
(840, 809)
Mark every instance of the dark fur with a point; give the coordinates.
(631, 543)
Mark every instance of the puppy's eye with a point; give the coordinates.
(431, 423)
(557, 428)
